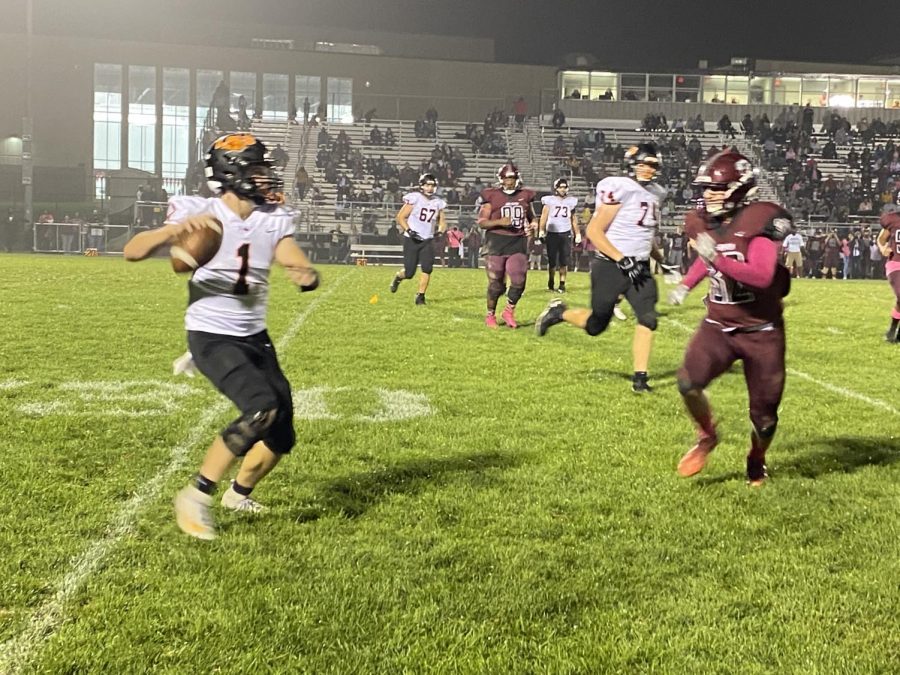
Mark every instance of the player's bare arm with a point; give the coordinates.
(144, 244)
(596, 230)
(882, 241)
(576, 231)
(298, 266)
(542, 225)
(402, 215)
(442, 223)
(485, 222)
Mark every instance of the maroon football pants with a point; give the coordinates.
(711, 352)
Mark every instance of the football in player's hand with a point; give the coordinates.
(197, 247)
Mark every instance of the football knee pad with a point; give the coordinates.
(647, 320)
(496, 288)
(515, 293)
(247, 430)
(765, 429)
(597, 324)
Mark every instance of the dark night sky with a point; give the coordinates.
(629, 32)
(632, 34)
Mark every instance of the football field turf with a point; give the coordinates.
(459, 500)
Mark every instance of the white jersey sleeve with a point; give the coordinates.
(183, 207)
(229, 295)
(634, 225)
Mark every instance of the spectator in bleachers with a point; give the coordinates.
(375, 137)
(520, 111)
(369, 115)
(559, 119)
(389, 138)
(279, 156)
(301, 183)
(697, 125)
(725, 126)
(243, 120)
(323, 138)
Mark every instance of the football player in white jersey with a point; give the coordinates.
(226, 319)
(558, 221)
(622, 229)
(416, 218)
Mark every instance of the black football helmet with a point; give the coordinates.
(642, 162)
(560, 183)
(509, 170)
(240, 163)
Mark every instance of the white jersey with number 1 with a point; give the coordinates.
(230, 294)
(424, 213)
(634, 226)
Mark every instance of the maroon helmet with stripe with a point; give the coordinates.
(730, 175)
(509, 170)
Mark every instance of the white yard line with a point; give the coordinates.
(842, 391)
(18, 651)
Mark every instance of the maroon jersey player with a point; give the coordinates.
(738, 245)
(507, 216)
(889, 243)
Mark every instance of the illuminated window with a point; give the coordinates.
(714, 89)
(107, 116)
(575, 84)
(142, 118)
(176, 122)
(870, 93)
(786, 90)
(207, 83)
(243, 85)
(307, 88)
(841, 92)
(275, 96)
(600, 83)
(340, 99)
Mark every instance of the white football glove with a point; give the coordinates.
(184, 365)
(678, 294)
(705, 246)
(577, 237)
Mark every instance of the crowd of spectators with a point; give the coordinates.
(790, 146)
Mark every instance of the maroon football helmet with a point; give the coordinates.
(509, 170)
(731, 177)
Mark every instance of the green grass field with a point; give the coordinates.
(459, 500)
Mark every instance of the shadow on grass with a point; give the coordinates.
(352, 496)
(826, 455)
(603, 373)
(839, 455)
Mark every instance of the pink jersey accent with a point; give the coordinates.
(759, 268)
(696, 274)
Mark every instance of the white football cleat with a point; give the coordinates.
(192, 513)
(619, 314)
(237, 502)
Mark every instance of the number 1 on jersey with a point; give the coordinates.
(240, 286)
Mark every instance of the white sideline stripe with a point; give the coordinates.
(843, 391)
(19, 650)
